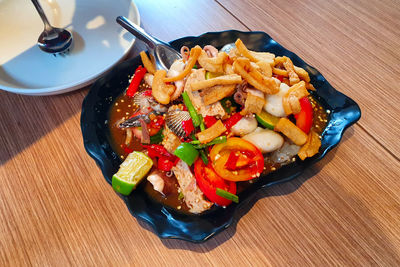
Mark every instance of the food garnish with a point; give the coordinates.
(213, 123)
(131, 172)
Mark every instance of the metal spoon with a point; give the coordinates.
(52, 40)
(163, 53)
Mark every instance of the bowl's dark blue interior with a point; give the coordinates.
(167, 222)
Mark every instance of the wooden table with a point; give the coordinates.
(56, 208)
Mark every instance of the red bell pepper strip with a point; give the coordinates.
(165, 160)
(279, 77)
(188, 127)
(127, 150)
(164, 164)
(209, 121)
(232, 160)
(137, 78)
(147, 93)
(232, 120)
(304, 119)
(155, 150)
(156, 125)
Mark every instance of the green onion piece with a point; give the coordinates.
(195, 66)
(202, 126)
(203, 156)
(191, 109)
(180, 196)
(225, 194)
(157, 138)
(218, 140)
(187, 153)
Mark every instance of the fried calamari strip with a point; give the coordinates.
(288, 64)
(293, 132)
(265, 68)
(259, 81)
(309, 86)
(214, 131)
(194, 55)
(213, 64)
(311, 147)
(303, 74)
(280, 72)
(161, 91)
(147, 63)
(290, 100)
(252, 55)
(242, 49)
(220, 80)
(216, 93)
(253, 105)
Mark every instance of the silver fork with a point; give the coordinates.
(163, 53)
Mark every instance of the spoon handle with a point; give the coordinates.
(138, 32)
(41, 13)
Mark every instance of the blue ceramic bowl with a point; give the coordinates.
(170, 223)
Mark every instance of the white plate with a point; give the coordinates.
(99, 43)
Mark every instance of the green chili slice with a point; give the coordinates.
(225, 194)
(187, 153)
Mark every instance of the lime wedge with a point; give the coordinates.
(267, 120)
(131, 172)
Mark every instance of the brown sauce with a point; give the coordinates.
(124, 108)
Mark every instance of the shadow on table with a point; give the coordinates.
(26, 119)
(282, 190)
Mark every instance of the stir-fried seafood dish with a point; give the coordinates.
(197, 134)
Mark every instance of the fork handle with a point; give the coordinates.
(138, 32)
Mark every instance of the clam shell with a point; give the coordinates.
(140, 100)
(174, 119)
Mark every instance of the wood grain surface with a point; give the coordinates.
(57, 210)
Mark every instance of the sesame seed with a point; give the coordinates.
(116, 104)
(118, 110)
(122, 101)
(273, 169)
